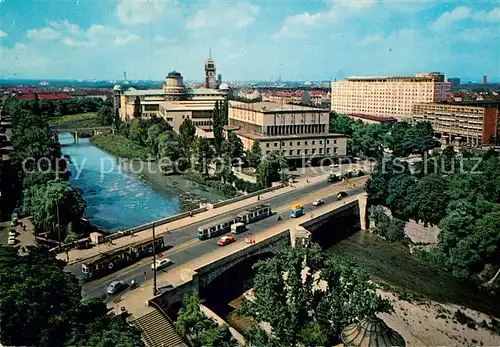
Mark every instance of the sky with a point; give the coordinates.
(249, 39)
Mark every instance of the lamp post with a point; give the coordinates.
(155, 290)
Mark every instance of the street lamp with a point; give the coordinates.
(155, 289)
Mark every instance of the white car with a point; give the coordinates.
(12, 240)
(318, 202)
(161, 263)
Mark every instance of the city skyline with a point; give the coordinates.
(249, 40)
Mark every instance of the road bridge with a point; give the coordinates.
(87, 130)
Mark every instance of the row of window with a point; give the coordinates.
(306, 151)
(313, 142)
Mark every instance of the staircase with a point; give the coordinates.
(157, 330)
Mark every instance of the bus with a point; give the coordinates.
(106, 263)
(222, 226)
(297, 211)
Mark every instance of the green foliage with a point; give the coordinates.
(187, 133)
(40, 305)
(138, 131)
(121, 146)
(217, 125)
(343, 124)
(233, 146)
(45, 201)
(392, 229)
(137, 108)
(105, 115)
(201, 330)
(246, 186)
(226, 189)
(254, 155)
(268, 169)
(397, 199)
(204, 154)
(288, 298)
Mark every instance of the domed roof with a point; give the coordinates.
(223, 86)
(174, 74)
(117, 87)
(371, 332)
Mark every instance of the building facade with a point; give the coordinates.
(388, 96)
(174, 102)
(460, 124)
(295, 132)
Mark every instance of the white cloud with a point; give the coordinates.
(163, 39)
(370, 39)
(294, 26)
(123, 38)
(458, 14)
(3, 33)
(132, 12)
(355, 4)
(218, 14)
(476, 35)
(21, 61)
(43, 34)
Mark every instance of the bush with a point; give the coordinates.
(392, 229)
(246, 186)
(226, 189)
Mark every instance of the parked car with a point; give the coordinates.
(12, 240)
(225, 240)
(12, 233)
(161, 263)
(318, 202)
(115, 287)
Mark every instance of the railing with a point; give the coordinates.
(246, 196)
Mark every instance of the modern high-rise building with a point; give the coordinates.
(388, 96)
(210, 73)
(455, 82)
(295, 132)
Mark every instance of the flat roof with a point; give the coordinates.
(381, 119)
(272, 107)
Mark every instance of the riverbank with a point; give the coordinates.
(120, 146)
(72, 121)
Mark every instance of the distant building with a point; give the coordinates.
(485, 79)
(174, 102)
(455, 82)
(368, 119)
(388, 96)
(295, 132)
(210, 80)
(45, 96)
(459, 123)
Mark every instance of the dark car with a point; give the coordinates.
(341, 195)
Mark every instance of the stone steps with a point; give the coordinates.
(158, 331)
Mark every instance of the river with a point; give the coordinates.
(119, 197)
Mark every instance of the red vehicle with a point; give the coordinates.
(225, 240)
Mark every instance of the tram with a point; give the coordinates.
(222, 226)
(112, 261)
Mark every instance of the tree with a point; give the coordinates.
(368, 140)
(40, 305)
(138, 131)
(201, 330)
(187, 132)
(308, 298)
(137, 107)
(204, 154)
(422, 138)
(427, 199)
(234, 146)
(217, 125)
(398, 190)
(342, 124)
(105, 115)
(53, 201)
(154, 132)
(254, 155)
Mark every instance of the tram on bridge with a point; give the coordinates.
(106, 263)
(222, 226)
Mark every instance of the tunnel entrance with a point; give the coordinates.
(336, 226)
(230, 285)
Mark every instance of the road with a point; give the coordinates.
(187, 247)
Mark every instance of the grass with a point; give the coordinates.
(71, 118)
(120, 146)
